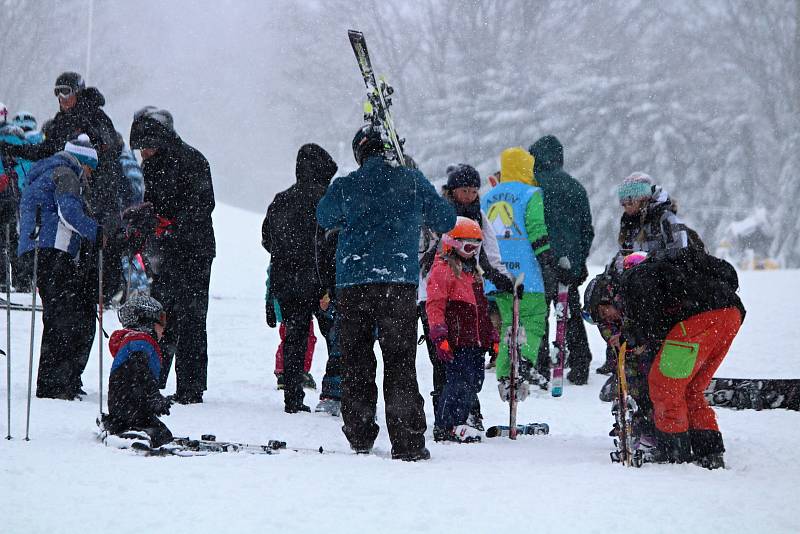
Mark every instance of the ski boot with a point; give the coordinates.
(464, 434)
(330, 406)
(708, 448)
(475, 420)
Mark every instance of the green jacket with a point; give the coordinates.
(566, 206)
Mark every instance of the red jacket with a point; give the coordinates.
(459, 303)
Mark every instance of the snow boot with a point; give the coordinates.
(672, 448)
(296, 408)
(578, 377)
(708, 448)
(412, 456)
(606, 369)
(330, 406)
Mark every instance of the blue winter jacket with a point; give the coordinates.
(54, 184)
(15, 136)
(380, 210)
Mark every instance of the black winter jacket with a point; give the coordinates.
(177, 181)
(663, 290)
(303, 263)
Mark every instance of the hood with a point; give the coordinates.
(548, 153)
(660, 201)
(314, 166)
(91, 97)
(516, 165)
(153, 128)
(120, 337)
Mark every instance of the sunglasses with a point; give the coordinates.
(63, 91)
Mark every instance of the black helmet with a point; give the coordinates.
(141, 311)
(367, 142)
(73, 80)
(600, 290)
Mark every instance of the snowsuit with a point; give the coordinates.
(456, 304)
(134, 402)
(569, 228)
(178, 184)
(55, 186)
(381, 210)
(689, 301)
(490, 263)
(296, 244)
(516, 214)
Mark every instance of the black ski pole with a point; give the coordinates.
(100, 340)
(8, 328)
(35, 237)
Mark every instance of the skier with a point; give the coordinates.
(381, 209)
(56, 191)
(298, 249)
(134, 401)
(516, 214)
(686, 302)
(273, 314)
(460, 328)
(179, 188)
(461, 190)
(569, 227)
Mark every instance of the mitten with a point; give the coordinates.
(439, 338)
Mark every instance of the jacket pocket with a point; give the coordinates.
(678, 359)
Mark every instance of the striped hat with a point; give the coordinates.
(636, 186)
(83, 150)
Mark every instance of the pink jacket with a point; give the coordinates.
(459, 304)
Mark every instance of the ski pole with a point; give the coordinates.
(8, 330)
(35, 237)
(100, 339)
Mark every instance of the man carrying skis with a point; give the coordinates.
(569, 227)
(380, 209)
(516, 212)
(299, 262)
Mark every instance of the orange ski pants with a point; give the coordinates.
(685, 365)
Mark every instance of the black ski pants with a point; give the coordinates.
(393, 308)
(182, 288)
(580, 357)
(65, 317)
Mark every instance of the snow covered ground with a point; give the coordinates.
(64, 481)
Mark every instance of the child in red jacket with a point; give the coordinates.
(460, 328)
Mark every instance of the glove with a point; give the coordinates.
(272, 319)
(504, 284)
(439, 338)
(549, 274)
(504, 388)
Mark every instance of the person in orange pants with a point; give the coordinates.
(687, 303)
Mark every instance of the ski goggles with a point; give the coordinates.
(63, 91)
(465, 247)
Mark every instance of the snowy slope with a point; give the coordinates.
(64, 481)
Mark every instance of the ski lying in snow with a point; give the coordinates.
(562, 316)
(531, 429)
(17, 306)
(379, 101)
(754, 394)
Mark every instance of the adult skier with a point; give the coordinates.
(55, 191)
(569, 227)
(179, 190)
(301, 265)
(380, 210)
(516, 213)
(686, 302)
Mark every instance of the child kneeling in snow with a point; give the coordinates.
(459, 328)
(134, 401)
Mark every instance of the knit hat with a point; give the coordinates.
(462, 175)
(83, 150)
(636, 186)
(72, 80)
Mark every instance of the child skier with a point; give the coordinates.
(516, 213)
(134, 401)
(459, 328)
